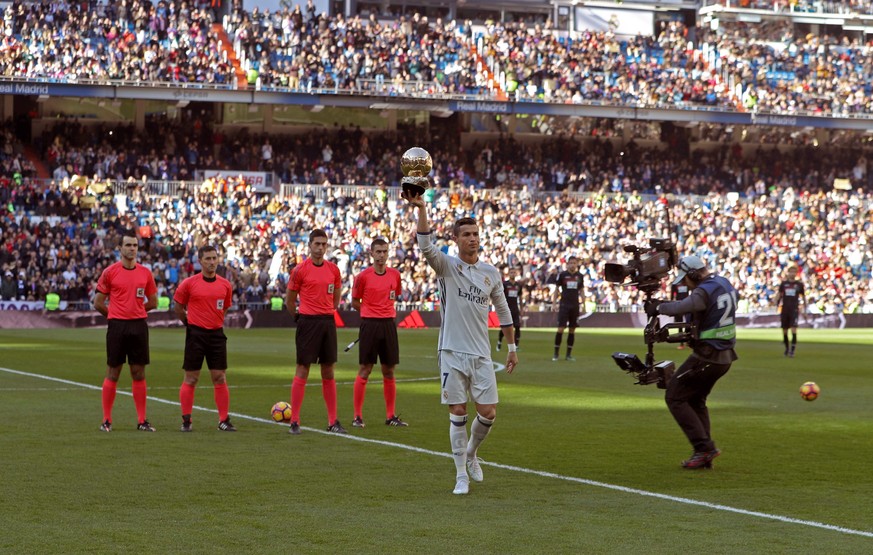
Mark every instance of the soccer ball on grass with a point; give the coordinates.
(281, 412)
(809, 391)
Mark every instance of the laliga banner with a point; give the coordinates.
(260, 181)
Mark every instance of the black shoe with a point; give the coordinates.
(336, 428)
(294, 430)
(226, 426)
(106, 426)
(395, 421)
(701, 459)
(791, 353)
(786, 351)
(498, 346)
(186, 424)
(144, 426)
(358, 422)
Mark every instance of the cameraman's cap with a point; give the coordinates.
(688, 264)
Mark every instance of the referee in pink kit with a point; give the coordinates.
(316, 282)
(374, 293)
(201, 302)
(130, 289)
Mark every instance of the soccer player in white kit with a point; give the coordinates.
(468, 287)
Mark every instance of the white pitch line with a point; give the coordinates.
(522, 470)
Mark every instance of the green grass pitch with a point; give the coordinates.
(580, 459)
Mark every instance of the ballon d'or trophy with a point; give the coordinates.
(416, 164)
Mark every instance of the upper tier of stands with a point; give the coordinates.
(763, 68)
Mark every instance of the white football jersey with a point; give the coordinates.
(467, 292)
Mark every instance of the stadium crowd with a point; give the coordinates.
(600, 66)
(800, 6)
(778, 71)
(769, 67)
(751, 212)
(301, 50)
(59, 236)
(131, 40)
(172, 150)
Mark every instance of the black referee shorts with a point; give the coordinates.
(316, 339)
(127, 341)
(568, 315)
(378, 339)
(202, 343)
(516, 317)
(789, 318)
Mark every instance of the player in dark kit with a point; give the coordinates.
(677, 293)
(712, 305)
(512, 290)
(791, 295)
(130, 289)
(317, 283)
(201, 302)
(373, 294)
(570, 284)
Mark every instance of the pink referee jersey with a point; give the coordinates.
(207, 300)
(377, 292)
(127, 290)
(315, 286)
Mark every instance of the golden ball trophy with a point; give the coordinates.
(416, 164)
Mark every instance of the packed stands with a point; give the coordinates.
(770, 67)
(130, 40)
(749, 208)
(60, 241)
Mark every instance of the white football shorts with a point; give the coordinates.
(462, 373)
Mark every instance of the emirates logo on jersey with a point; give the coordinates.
(219, 304)
(140, 292)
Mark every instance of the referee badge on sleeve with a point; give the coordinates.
(219, 304)
(392, 295)
(140, 292)
(330, 289)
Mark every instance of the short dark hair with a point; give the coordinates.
(317, 233)
(576, 258)
(378, 243)
(205, 249)
(462, 222)
(129, 233)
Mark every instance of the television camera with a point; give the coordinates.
(646, 269)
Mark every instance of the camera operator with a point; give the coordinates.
(712, 305)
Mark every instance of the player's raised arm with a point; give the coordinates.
(435, 258)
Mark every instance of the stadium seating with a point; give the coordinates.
(768, 70)
(577, 195)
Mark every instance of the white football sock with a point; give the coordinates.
(478, 432)
(458, 437)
